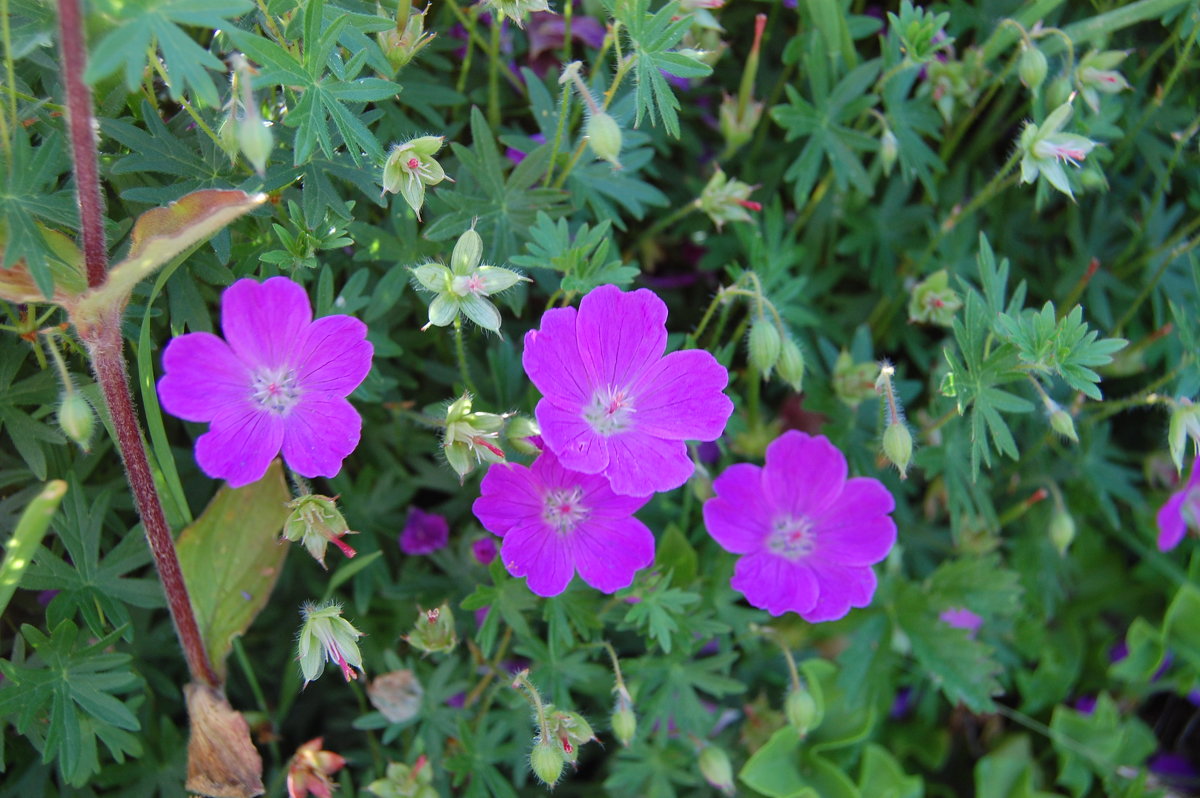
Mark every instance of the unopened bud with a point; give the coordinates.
(434, 630)
(791, 364)
(227, 136)
(546, 760)
(716, 768)
(801, 710)
(76, 418)
(1062, 530)
(1061, 422)
(571, 731)
(256, 141)
(889, 150)
(1032, 67)
(624, 721)
(524, 434)
(1058, 91)
(765, 344)
(604, 137)
(1184, 424)
(898, 446)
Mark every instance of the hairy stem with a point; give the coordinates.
(108, 363)
(80, 125)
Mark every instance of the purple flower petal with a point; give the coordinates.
(842, 587)
(804, 475)
(510, 497)
(736, 517)
(202, 376)
(263, 321)
(774, 584)
(319, 434)
(579, 447)
(620, 335)
(240, 444)
(333, 355)
(857, 530)
(639, 464)
(484, 551)
(536, 553)
(681, 397)
(551, 359)
(424, 533)
(609, 552)
(1180, 511)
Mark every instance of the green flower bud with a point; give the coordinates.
(1031, 67)
(889, 150)
(227, 136)
(737, 129)
(76, 418)
(716, 768)
(1060, 422)
(547, 761)
(434, 631)
(570, 729)
(801, 711)
(898, 446)
(1184, 424)
(315, 522)
(256, 141)
(401, 44)
(604, 137)
(1058, 91)
(791, 364)
(327, 636)
(764, 345)
(519, 431)
(471, 437)
(1062, 530)
(624, 721)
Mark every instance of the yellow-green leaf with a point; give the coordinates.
(231, 558)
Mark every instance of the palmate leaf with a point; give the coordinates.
(1065, 347)
(68, 700)
(28, 194)
(145, 26)
(29, 435)
(652, 37)
(583, 258)
(911, 120)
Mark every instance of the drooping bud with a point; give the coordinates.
(801, 710)
(326, 636)
(546, 761)
(1061, 422)
(524, 434)
(255, 140)
(1062, 530)
(898, 446)
(76, 418)
(791, 364)
(315, 522)
(227, 135)
(1031, 67)
(434, 630)
(716, 768)
(624, 721)
(889, 150)
(1058, 91)
(604, 137)
(764, 345)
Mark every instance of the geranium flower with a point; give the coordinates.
(280, 382)
(613, 405)
(310, 770)
(808, 534)
(555, 522)
(424, 533)
(1181, 511)
(962, 618)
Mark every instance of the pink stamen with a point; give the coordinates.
(413, 163)
(490, 447)
(347, 671)
(750, 205)
(343, 547)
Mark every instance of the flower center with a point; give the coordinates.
(275, 390)
(610, 411)
(791, 538)
(564, 509)
(413, 163)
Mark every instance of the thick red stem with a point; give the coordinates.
(83, 141)
(108, 362)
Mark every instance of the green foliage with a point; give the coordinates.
(583, 258)
(1060, 346)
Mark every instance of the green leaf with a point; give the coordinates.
(148, 26)
(1065, 347)
(1009, 771)
(1100, 743)
(677, 555)
(651, 37)
(231, 557)
(27, 536)
(30, 195)
(583, 258)
(655, 614)
(882, 776)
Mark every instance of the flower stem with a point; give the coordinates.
(80, 125)
(461, 353)
(108, 362)
(531, 693)
(494, 77)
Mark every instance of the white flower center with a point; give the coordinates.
(610, 411)
(791, 538)
(564, 509)
(275, 389)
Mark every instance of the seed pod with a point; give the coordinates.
(716, 768)
(765, 345)
(791, 364)
(1061, 422)
(1062, 530)
(1032, 67)
(76, 418)
(801, 710)
(546, 760)
(898, 446)
(604, 137)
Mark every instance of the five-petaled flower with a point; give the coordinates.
(555, 522)
(1181, 512)
(612, 404)
(1045, 148)
(809, 535)
(424, 533)
(279, 380)
(327, 636)
(311, 768)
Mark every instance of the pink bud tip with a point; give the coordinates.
(750, 205)
(343, 547)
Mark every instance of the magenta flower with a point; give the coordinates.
(809, 536)
(279, 380)
(1181, 511)
(555, 522)
(613, 405)
(962, 618)
(484, 551)
(424, 533)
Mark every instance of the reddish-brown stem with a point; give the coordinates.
(108, 362)
(80, 125)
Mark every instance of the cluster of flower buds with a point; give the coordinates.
(311, 769)
(933, 301)
(405, 781)
(463, 287)
(410, 167)
(471, 437)
(401, 44)
(727, 199)
(315, 523)
(434, 631)
(325, 636)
